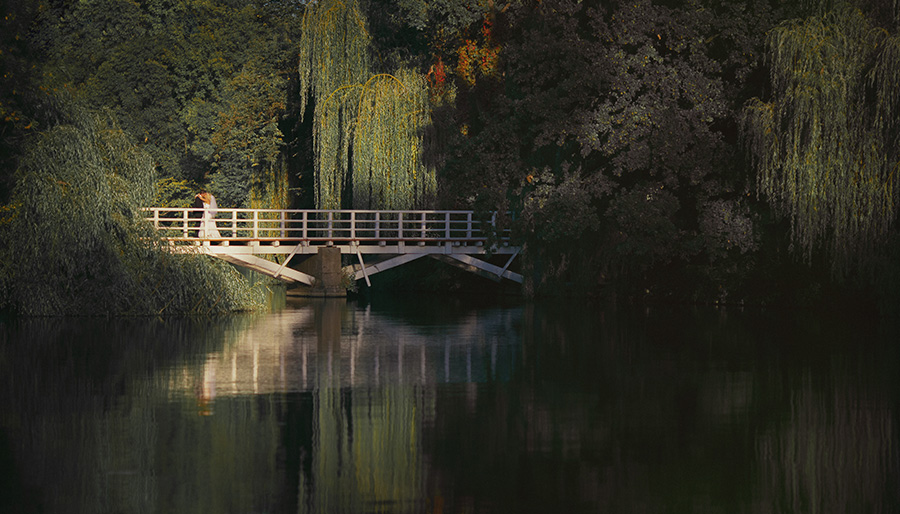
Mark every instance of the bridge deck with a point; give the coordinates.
(270, 231)
(238, 235)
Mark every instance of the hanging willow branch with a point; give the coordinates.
(825, 147)
(387, 170)
(376, 118)
(333, 55)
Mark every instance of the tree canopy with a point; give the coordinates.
(638, 146)
(827, 145)
(201, 85)
(75, 241)
(375, 117)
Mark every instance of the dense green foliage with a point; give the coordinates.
(826, 145)
(75, 241)
(374, 117)
(627, 145)
(670, 148)
(201, 85)
(387, 167)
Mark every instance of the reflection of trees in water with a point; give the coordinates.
(330, 344)
(365, 451)
(312, 410)
(833, 452)
(650, 411)
(225, 462)
(372, 379)
(79, 399)
(329, 408)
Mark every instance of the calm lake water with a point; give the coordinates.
(451, 406)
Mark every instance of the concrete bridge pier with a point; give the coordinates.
(325, 266)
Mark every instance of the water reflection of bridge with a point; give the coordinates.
(363, 386)
(324, 344)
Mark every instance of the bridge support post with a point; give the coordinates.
(325, 266)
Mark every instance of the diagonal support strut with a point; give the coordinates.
(467, 262)
(383, 265)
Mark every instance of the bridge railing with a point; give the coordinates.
(322, 226)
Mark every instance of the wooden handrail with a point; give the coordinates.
(360, 226)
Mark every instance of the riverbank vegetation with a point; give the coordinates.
(75, 241)
(732, 151)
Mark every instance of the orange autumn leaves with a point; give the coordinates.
(475, 59)
(478, 56)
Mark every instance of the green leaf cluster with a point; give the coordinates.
(827, 143)
(367, 126)
(201, 85)
(614, 133)
(75, 241)
(611, 131)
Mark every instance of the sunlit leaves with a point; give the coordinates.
(246, 137)
(476, 58)
(334, 49)
(387, 170)
(169, 68)
(825, 146)
(375, 117)
(333, 60)
(75, 241)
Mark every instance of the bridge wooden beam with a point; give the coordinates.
(397, 237)
(269, 268)
(347, 248)
(288, 258)
(479, 267)
(362, 265)
(384, 265)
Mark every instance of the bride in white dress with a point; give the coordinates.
(208, 228)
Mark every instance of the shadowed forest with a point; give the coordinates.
(712, 151)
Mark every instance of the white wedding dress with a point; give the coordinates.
(208, 228)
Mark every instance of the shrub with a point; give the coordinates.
(75, 241)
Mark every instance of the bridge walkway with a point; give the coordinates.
(380, 240)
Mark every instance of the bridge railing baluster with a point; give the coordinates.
(352, 227)
(422, 228)
(330, 225)
(369, 227)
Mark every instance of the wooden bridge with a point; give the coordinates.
(378, 240)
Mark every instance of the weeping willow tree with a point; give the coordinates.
(366, 125)
(74, 241)
(393, 110)
(826, 146)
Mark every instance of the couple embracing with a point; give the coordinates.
(208, 228)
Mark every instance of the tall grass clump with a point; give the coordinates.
(73, 240)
